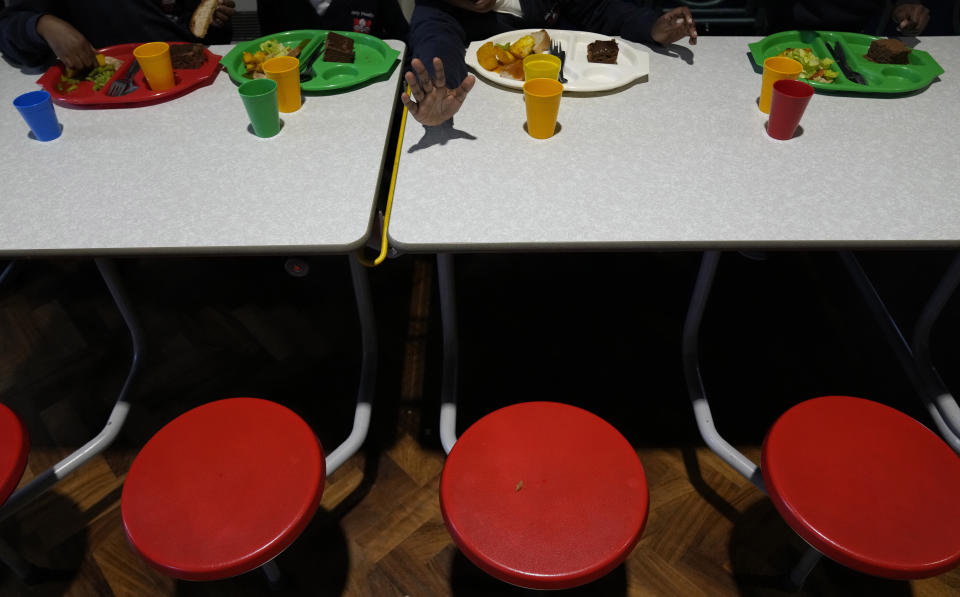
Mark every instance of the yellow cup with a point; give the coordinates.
(542, 97)
(541, 66)
(285, 70)
(154, 60)
(776, 68)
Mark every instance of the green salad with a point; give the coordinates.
(814, 69)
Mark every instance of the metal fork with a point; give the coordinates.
(557, 50)
(124, 85)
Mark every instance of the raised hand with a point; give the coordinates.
(673, 26)
(432, 103)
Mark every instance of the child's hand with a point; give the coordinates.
(223, 14)
(673, 26)
(68, 44)
(911, 18)
(429, 101)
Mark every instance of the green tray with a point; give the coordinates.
(373, 58)
(881, 78)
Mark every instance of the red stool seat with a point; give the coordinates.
(866, 485)
(223, 489)
(14, 447)
(544, 495)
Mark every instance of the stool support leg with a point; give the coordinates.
(7, 272)
(118, 415)
(798, 576)
(368, 370)
(275, 577)
(924, 378)
(942, 398)
(691, 368)
(22, 568)
(451, 347)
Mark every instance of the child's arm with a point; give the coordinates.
(67, 44)
(20, 41)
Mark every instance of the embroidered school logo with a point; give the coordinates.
(362, 25)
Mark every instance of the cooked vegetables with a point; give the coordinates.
(505, 56)
(814, 69)
(268, 49)
(522, 47)
(487, 56)
(99, 75)
(67, 84)
(497, 56)
(272, 48)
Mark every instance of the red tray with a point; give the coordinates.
(187, 79)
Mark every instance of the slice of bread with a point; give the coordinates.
(202, 17)
(541, 41)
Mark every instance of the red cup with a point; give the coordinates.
(790, 99)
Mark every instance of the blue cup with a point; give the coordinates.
(36, 107)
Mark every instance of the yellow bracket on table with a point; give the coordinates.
(384, 249)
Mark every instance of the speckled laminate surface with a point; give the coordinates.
(185, 176)
(681, 160)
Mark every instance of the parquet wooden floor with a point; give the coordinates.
(598, 331)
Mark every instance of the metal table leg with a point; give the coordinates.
(368, 370)
(941, 397)
(691, 369)
(934, 394)
(7, 271)
(701, 408)
(451, 348)
(118, 415)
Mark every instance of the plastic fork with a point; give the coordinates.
(125, 84)
(306, 69)
(557, 50)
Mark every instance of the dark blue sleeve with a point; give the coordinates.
(613, 17)
(435, 32)
(441, 30)
(19, 40)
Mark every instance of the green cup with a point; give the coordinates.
(260, 99)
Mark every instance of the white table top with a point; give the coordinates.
(681, 161)
(185, 176)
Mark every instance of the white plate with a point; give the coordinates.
(581, 75)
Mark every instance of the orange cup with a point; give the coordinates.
(154, 60)
(285, 70)
(541, 66)
(542, 99)
(775, 69)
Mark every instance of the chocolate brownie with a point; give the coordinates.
(187, 55)
(605, 51)
(338, 48)
(889, 51)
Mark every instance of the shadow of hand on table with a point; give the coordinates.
(674, 51)
(439, 135)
